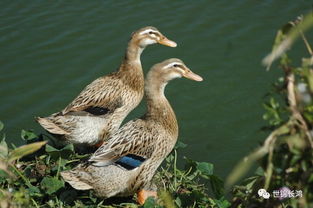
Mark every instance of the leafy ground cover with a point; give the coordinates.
(29, 179)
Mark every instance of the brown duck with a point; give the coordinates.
(98, 111)
(128, 161)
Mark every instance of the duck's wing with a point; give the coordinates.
(98, 98)
(129, 147)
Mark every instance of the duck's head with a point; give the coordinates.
(171, 69)
(150, 35)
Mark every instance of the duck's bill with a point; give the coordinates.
(167, 42)
(193, 76)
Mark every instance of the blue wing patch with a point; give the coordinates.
(130, 161)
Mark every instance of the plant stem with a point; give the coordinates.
(269, 169)
(59, 166)
(175, 160)
(290, 78)
(35, 203)
(306, 43)
(21, 175)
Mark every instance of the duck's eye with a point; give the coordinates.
(175, 65)
(150, 33)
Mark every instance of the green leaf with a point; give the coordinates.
(65, 152)
(33, 190)
(51, 184)
(251, 182)
(259, 171)
(205, 168)
(3, 149)
(178, 202)
(149, 203)
(180, 145)
(25, 150)
(28, 135)
(92, 197)
(222, 203)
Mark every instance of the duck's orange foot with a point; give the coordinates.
(142, 195)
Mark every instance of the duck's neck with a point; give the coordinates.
(158, 107)
(130, 70)
(132, 56)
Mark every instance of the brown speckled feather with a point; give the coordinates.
(127, 140)
(114, 93)
(103, 92)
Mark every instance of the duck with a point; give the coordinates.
(98, 111)
(126, 164)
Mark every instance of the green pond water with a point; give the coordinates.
(50, 50)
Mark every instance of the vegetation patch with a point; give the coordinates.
(29, 179)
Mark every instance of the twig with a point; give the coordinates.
(305, 40)
(175, 160)
(269, 147)
(306, 43)
(269, 169)
(290, 77)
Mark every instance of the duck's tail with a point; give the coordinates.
(50, 126)
(74, 180)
